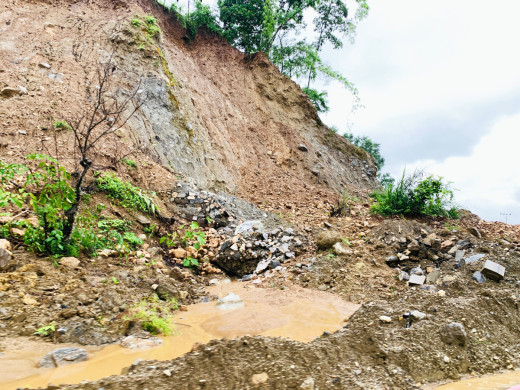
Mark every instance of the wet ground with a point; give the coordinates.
(299, 314)
(489, 382)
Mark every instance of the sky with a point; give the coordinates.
(440, 86)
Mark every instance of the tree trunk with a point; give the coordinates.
(73, 211)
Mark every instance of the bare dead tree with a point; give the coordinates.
(108, 111)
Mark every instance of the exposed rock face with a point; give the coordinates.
(204, 101)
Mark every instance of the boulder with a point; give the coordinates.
(326, 239)
(454, 333)
(63, 356)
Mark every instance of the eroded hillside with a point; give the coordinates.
(217, 118)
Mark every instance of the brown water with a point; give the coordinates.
(299, 314)
(489, 382)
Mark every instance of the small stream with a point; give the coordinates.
(266, 312)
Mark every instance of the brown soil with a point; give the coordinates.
(234, 124)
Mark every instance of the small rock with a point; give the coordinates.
(44, 65)
(391, 259)
(249, 227)
(493, 271)
(474, 258)
(69, 262)
(477, 275)
(230, 302)
(341, 249)
(29, 301)
(416, 280)
(417, 315)
(5, 258)
(247, 278)
(8, 92)
(63, 356)
(453, 333)
(134, 342)
(433, 276)
(167, 372)
(274, 264)
(446, 359)
(416, 271)
(326, 239)
(308, 384)
(385, 319)
(474, 231)
(446, 245)
(143, 220)
(22, 90)
(459, 254)
(303, 148)
(179, 253)
(258, 379)
(403, 275)
(214, 282)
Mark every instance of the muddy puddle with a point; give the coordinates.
(299, 314)
(489, 382)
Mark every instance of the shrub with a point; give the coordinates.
(414, 196)
(130, 197)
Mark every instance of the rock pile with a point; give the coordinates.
(252, 249)
(222, 209)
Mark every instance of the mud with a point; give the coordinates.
(296, 313)
(489, 382)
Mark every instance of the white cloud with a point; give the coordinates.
(488, 181)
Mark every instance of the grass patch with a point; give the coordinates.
(131, 197)
(154, 315)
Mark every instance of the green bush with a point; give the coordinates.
(413, 196)
(44, 185)
(130, 197)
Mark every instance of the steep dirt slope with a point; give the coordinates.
(221, 120)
